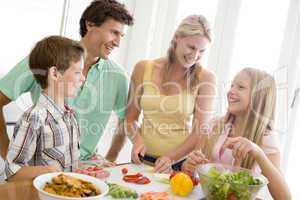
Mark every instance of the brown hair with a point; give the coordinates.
(53, 51)
(100, 10)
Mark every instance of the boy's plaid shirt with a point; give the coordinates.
(45, 135)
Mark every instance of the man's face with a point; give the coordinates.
(103, 39)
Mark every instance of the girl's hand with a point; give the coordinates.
(241, 146)
(138, 148)
(163, 165)
(194, 158)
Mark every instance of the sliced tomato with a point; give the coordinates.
(91, 168)
(231, 197)
(96, 168)
(134, 175)
(124, 171)
(92, 174)
(143, 180)
(102, 174)
(131, 180)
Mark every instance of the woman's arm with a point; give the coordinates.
(133, 112)
(202, 114)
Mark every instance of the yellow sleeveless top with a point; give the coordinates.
(167, 120)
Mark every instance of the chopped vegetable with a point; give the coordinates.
(121, 192)
(162, 178)
(231, 185)
(136, 178)
(124, 171)
(190, 174)
(154, 196)
(181, 184)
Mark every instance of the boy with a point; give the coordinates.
(101, 29)
(47, 133)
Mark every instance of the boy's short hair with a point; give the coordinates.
(53, 51)
(100, 10)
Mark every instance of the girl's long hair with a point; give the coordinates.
(260, 115)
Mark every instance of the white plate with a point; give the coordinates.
(40, 181)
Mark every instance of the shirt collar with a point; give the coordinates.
(47, 102)
(99, 63)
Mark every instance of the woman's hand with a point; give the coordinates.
(30, 172)
(138, 148)
(241, 146)
(163, 165)
(194, 158)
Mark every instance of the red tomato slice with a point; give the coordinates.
(124, 171)
(98, 168)
(143, 180)
(134, 175)
(91, 168)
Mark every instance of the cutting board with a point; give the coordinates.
(155, 186)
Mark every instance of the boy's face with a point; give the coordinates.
(101, 40)
(73, 79)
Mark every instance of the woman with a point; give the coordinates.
(172, 92)
(244, 136)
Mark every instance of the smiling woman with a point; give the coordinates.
(169, 91)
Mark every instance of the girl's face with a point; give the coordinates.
(190, 49)
(239, 95)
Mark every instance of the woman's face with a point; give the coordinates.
(190, 49)
(239, 95)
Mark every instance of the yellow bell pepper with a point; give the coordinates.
(181, 184)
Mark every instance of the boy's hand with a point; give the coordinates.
(30, 172)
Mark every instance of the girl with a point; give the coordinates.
(244, 137)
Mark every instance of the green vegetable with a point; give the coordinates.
(119, 192)
(222, 185)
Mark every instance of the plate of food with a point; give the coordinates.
(69, 186)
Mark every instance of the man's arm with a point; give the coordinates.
(4, 141)
(117, 143)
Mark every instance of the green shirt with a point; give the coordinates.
(105, 90)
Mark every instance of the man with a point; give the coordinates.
(106, 86)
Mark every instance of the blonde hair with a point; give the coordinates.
(260, 115)
(190, 26)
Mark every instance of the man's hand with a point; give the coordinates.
(117, 143)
